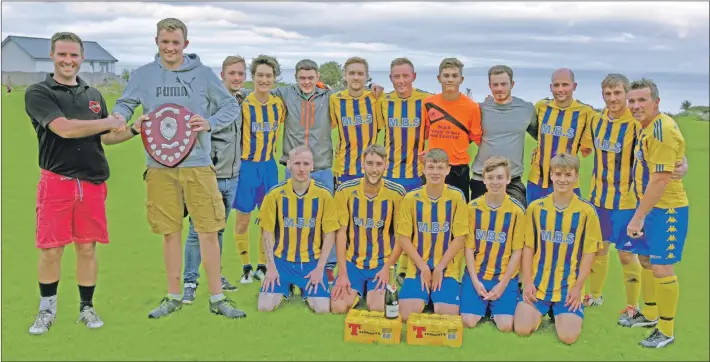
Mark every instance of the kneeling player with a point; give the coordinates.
(562, 235)
(432, 228)
(297, 217)
(365, 243)
(493, 249)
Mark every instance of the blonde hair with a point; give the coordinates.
(451, 63)
(356, 60)
(565, 161)
(172, 24)
(378, 150)
(645, 83)
(66, 36)
(298, 150)
(495, 162)
(614, 79)
(267, 60)
(401, 61)
(231, 60)
(436, 155)
(500, 69)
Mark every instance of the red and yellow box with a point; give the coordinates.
(434, 330)
(363, 326)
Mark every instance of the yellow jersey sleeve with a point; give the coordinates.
(529, 229)
(593, 232)
(404, 218)
(471, 237)
(587, 139)
(662, 148)
(519, 231)
(460, 220)
(341, 202)
(330, 215)
(267, 212)
(333, 114)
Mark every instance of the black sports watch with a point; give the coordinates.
(133, 130)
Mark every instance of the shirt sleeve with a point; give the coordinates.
(587, 138)
(471, 237)
(460, 219)
(267, 212)
(519, 231)
(330, 215)
(341, 201)
(593, 232)
(662, 148)
(333, 115)
(475, 130)
(529, 227)
(41, 106)
(534, 125)
(404, 218)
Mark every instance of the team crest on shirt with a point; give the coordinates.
(95, 107)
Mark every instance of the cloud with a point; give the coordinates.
(584, 35)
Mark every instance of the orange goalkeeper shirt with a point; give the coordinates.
(453, 125)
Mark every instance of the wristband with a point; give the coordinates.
(133, 130)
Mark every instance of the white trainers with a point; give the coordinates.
(89, 317)
(260, 274)
(590, 301)
(44, 320)
(247, 277)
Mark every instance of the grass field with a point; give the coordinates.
(132, 281)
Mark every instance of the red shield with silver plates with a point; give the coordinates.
(166, 135)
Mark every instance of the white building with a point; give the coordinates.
(25, 54)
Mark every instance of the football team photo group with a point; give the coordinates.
(394, 213)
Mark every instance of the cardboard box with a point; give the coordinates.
(363, 326)
(435, 330)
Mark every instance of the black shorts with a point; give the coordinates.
(459, 177)
(516, 189)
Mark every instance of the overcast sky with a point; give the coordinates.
(655, 36)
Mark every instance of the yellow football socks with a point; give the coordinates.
(648, 291)
(242, 241)
(632, 281)
(667, 290)
(600, 268)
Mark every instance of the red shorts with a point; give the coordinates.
(69, 210)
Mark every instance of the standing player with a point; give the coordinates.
(453, 122)
(366, 244)
(404, 121)
(504, 120)
(355, 114)
(432, 228)
(299, 218)
(563, 233)
(661, 217)
(262, 113)
(175, 77)
(493, 250)
(71, 120)
(561, 124)
(225, 151)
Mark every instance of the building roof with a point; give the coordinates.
(38, 48)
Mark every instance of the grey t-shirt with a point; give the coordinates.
(504, 127)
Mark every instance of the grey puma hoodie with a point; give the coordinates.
(194, 86)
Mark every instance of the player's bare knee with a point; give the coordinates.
(568, 338)
(645, 262)
(242, 224)
(375, 304)
(52, 255)
(662, 271)
(626, 258)
(504, 325)
(470, 320)
(86, 251)
(339, 307)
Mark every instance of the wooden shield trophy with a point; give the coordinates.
(166, 135)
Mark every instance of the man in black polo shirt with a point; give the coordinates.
(71, 120)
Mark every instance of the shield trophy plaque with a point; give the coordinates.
(166, 135)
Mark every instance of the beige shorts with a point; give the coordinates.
(169, 190)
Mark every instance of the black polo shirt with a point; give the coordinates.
(82, 158)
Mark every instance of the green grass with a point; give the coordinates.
(132, 281)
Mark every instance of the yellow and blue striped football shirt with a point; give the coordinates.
(494, 233)
(559, 238)
(357, 120)
(404, 122)
(260, 126)
(432, 225)
(660, 146)
(298, 222)
(612, 178)
(370, 221)
(559, 130)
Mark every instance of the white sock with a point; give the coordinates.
(217, 297)
(175, 296)
(48, 303)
